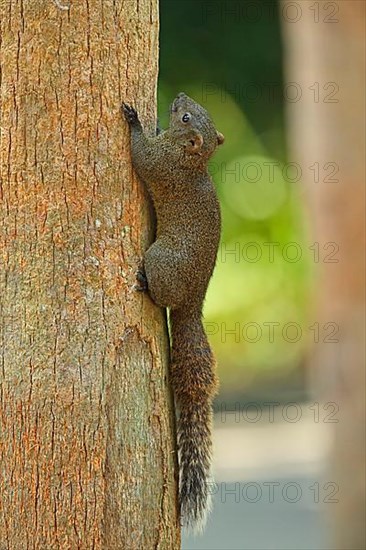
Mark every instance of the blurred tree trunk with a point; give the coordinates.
(325, 55)
(86, 421)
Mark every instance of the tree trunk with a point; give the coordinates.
(87, 447)
(326, 58)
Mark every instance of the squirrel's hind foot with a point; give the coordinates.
(142, 280)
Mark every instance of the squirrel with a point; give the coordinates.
(176, 271)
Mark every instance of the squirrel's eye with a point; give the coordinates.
(186, 117)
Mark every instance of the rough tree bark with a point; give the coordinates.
(86, 424)
(326, 53)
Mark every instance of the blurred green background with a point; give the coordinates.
(228, 56)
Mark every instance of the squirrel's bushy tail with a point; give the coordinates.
(194, 384)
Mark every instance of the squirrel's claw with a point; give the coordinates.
(158, 130)
(130, 113)
(142, 280)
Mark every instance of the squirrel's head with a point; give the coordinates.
(191, 126)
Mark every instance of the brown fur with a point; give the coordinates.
(178, 267)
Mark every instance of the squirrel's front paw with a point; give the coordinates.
(130, 113)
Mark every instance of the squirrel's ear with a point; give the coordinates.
(220, 138)
(194, 144)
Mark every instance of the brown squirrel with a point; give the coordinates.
(176, 271)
